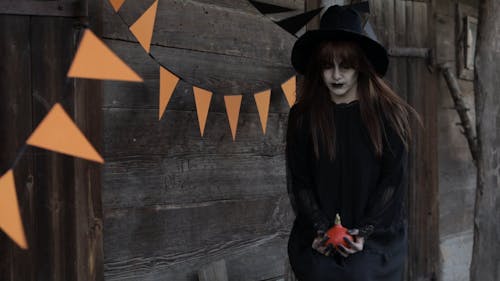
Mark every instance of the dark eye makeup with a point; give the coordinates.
(327, 65)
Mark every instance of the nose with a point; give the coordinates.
(336, 73)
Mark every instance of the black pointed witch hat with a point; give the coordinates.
(340, 23)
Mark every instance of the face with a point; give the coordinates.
(341, 81)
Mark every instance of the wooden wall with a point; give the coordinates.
(175, 201)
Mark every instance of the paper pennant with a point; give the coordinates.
(10, 217)
(289, 88)
(233, 104)
(116, 4)
(202, 100)
(95, 60)
(168, 81)
(266, 8)
(58, 133)
(262, 99)
(143, 27)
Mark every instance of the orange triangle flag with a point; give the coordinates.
(202, 99)
(58, 133)
(262, 99)
(95, 60)
(233, 104)
(168, 81)
(10, 217)
(289, 90)
(117, 4)
(143, 27)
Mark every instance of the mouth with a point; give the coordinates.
(337, 85)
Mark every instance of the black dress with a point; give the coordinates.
(367, 191)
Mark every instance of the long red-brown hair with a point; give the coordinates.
(376, 98)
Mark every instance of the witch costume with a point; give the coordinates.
(367, 191)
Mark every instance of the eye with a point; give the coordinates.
(326, 65)
(344, 65)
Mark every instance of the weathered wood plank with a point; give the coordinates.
(222, 74)
(400, 65)
(245, 4)
(131, 10)
(188, 179)
(145, 95)
(215, 271)
(43, 8)
(267, 260)
(137, 132)
(88, 220)
(198, 26)
(382, 17)
(383, 20)
(423, 185)
(203, 37)
(52, 47)
(265, 253)
(15, 127)
(175, 235)
(211, 29)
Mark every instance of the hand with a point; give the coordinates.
(354, 246)
(319, 244)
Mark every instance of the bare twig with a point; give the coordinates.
(461, 109)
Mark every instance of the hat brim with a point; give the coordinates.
(303, 48)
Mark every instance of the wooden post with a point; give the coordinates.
(486, 249)
(423, 192)
(15, 127)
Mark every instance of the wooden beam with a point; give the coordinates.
(44, 8)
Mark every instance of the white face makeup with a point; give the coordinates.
(341, 82)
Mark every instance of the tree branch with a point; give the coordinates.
(458, 99)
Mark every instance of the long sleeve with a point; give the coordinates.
(299, 175)
(385, 205)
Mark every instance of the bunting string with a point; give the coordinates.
(143, 29)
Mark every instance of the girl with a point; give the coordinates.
(347, 147)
